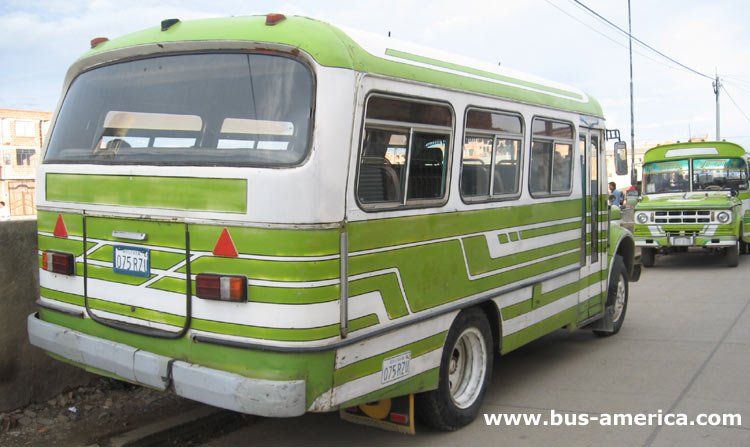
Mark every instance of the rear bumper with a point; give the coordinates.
(214, 387)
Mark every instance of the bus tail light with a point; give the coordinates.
(56, 262)
(221, 287)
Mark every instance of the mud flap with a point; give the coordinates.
(396, 414)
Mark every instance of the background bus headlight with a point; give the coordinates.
(723, 217)
(642, 218)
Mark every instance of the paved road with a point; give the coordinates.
(684, 348)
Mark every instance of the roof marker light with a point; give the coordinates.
(60, 229)
(274, 18)
(96, 41)
(168, 23)
(225, 245)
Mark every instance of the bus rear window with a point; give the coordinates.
(197, 109)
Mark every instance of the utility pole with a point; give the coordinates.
(633, 175)
(717, 88)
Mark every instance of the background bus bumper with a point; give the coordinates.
(214, 387)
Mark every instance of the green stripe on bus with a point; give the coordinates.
(139, 313)
(107, 274)
(379, 233)
(175, 193)
(47, 220)
(267, 270)
(389, 288)
(482, 73)
(542, 299)
(115, 308)
(269, 242)
(552, 229)
(266, 333)
(479, 259)
(533, 332)
(62, 244)
(158, 234)
(443, 279)
(374, 364)
(61, 296)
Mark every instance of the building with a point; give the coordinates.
(22, 136)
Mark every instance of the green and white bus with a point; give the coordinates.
(275, 215)
(694, 195)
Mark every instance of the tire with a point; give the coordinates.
(648, 256)
(617, 296)
(733, 255)
(465, 372)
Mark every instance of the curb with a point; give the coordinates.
(201, 423)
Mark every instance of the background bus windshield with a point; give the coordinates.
(197, 109)
(708, 174)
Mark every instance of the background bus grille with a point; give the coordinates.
(684, 216)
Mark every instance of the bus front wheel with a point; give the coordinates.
(465, 371)
(617, 297)
(648, 256)
(733, 255)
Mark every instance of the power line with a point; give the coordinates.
(735, 103)
(605, 35)
(599, 16)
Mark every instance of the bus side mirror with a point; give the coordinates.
(621, 158)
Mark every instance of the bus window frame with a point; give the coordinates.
(410, 128)
(572, 142)
(486, 133)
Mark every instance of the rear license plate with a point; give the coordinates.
(134, 261)
(682, 241)
(395, 367)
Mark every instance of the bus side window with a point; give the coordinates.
(551, 164)
(401, 163)
(427, 166)
(383, 158)
(491, 155)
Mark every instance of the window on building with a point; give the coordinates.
(551, 164)
(492, 155)
(25, 128)
(24, 156)
(404, 154)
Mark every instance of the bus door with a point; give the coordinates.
(590, 295)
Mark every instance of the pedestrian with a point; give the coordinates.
(616, 193)
(4, 211)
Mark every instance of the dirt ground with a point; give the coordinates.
(88, 416)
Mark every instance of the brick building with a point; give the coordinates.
(22, 135)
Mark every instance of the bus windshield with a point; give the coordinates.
(193, 109)
(666, 176)
(719, 174)
(708, 174)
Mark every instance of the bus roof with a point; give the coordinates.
(703, 149)
(332, 46)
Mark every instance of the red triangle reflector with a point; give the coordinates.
(225, 245)
(60, 229)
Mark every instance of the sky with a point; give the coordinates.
(554, 39)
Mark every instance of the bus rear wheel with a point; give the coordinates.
(465, 372)
(648, 256)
